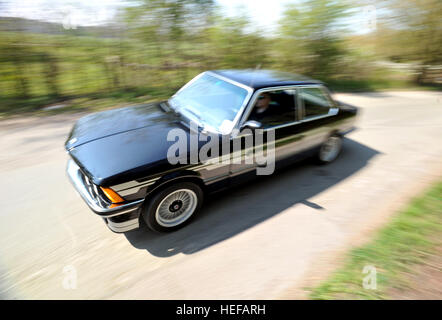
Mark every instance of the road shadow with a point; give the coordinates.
(230, 212)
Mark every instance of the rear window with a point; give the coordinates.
(316, 102)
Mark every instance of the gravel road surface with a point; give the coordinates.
(253, 242)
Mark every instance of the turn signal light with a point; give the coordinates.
(112, 195)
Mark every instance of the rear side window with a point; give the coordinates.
(316, 102)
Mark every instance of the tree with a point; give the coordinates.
(164, 24)
(419, 23)
(233, 44)
(309, 35)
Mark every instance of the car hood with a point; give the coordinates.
(107, 123)
(123, 144)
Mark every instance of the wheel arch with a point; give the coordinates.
(176, 177)
(334, 132)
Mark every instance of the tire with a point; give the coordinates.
(330, 149)
(173, 207)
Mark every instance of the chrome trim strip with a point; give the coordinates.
(216, 178)
(236, 83)
(123, 226)
(73, 172)
(242, 171)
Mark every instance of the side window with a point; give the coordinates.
(273, 108)
(316, 102)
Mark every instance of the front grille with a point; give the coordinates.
(94, 191)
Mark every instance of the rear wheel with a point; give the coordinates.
(173, 207)
(330, 149)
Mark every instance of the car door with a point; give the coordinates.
(280, 124)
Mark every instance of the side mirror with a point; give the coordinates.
(251, 124)
(333, 111)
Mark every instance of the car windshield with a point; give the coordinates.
(211, 102)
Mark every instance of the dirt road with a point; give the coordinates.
(255, 241)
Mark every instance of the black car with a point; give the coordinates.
(126, 164)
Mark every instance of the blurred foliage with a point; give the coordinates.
(309, 36)
(155, 46)
(414, 28)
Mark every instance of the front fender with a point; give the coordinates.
(173, 177)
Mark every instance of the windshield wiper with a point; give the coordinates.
(165, 107)
(194, 113)
(199, 121)
(175, 108)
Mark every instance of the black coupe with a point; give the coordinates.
(144, 162)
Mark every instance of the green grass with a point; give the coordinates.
(404, 243)
(91, 102)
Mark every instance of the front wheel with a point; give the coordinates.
(330, 149)
(173, 207)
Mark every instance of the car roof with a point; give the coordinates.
(258, 79)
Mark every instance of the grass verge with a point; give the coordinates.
(81, 103)
(406, 242)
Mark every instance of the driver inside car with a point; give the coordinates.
(262, 108)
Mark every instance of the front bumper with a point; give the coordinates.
(122, 218)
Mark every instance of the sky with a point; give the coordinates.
(85, 12)
(264, 14)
